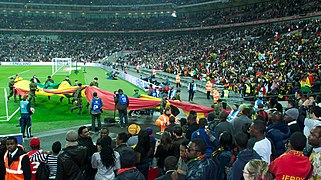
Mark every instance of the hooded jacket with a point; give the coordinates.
(242, 158)
(71, 163)
(278, 134)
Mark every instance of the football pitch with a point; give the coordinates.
(52, 114)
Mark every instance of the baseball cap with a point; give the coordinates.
(35, 142)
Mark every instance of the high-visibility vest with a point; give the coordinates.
(14, 171)
(154, 72)
(208, 86)
(225, 93)
(248, 89)
(162, 121)
(178, 79)
(216, 95)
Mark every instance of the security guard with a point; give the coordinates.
(216, 95)
(208, 88)
(16, 161)
(178, 81)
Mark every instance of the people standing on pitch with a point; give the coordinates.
(208, 88)
(163, 103)
(16, 161)
(48, 82)
(34, 77)
(25, 112)
(12, 90)
(76, 82)
(73, 94)
(17, 79)
(122, 102)
(32, 93)
(177, 95)
(95, 111)
(191, 90)
(216, 94)
(67, 95)
(178, 81)
(78, 99)
(93, 83)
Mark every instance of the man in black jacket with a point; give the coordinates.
(85, 140)
(128, 169)
(200, 167)
(72, 161)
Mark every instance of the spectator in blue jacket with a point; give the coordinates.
(278, 133)
(208, 136)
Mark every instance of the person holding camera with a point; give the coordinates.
(121, 102)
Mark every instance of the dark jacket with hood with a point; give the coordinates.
(278, 134)
(132, 173)
(71, 163)
(242, 158)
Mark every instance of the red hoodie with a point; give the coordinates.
(291, 165)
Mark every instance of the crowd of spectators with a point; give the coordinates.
(276, 56)
(165, 20)
(110, 2)
(285, 144)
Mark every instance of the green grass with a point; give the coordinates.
(51, 114)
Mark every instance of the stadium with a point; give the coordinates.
(222, 67)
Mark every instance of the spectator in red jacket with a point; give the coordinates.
(293, 164)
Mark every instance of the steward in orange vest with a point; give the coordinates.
(163, 120)
(208, 88)
(178, 81)
(16, 162)
(216, 95)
